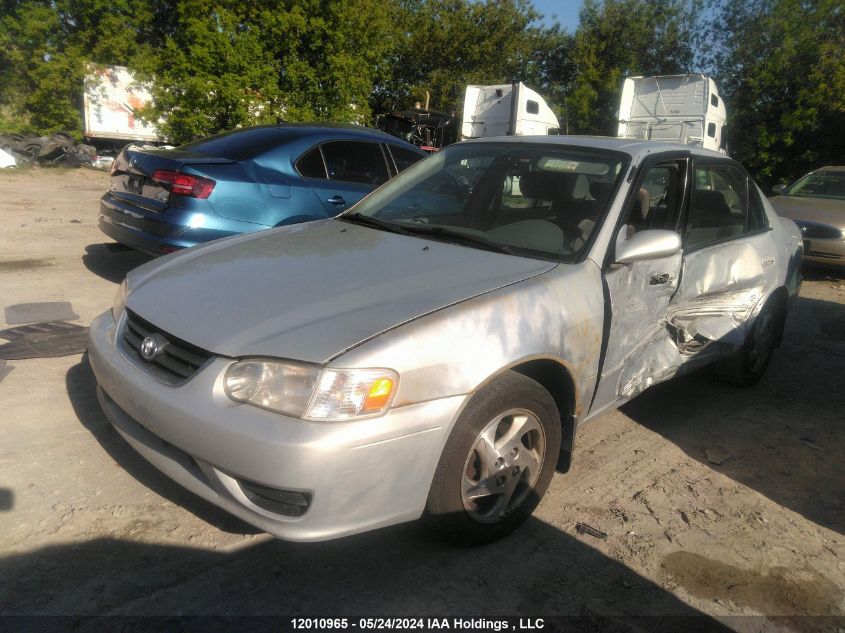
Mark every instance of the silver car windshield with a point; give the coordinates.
(525, 199)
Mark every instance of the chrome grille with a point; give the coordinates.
(178, 359)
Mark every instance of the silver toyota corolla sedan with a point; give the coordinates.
(431, 352)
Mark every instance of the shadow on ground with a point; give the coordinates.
(7, 499)
(112, 261)
(396, 571)
(812, 272)
(784, 437)
(82, 391)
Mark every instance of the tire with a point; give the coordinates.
(31, 151)
(506, 440)
(746, 367)
(63, 138)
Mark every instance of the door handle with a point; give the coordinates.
(336, 200)
(767, 261)
(659, 279)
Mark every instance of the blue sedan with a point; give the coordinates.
(246, 180)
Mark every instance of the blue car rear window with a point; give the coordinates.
(238, 144)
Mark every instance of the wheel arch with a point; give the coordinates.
(556, 378)
(778, 301)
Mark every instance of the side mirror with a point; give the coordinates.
(779, 189)
(649, 244)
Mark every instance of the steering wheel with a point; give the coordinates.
(457, 185)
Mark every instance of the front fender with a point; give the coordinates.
(557, 315)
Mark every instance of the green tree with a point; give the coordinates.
(781, 68)
(550, 68)
(237, 64)
(45, 49)
(620, 38)
(212, 73)
(210, 67)
(329, 54)
(443, 45)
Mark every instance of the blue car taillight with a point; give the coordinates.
(183, 184)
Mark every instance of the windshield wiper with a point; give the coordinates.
(366, 220)
(457, 237)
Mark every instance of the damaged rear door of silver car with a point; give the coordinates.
(675, 310)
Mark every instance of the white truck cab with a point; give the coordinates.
(506, 110)
(683, 109)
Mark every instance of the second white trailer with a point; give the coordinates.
(683, 109)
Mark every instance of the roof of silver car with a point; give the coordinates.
(634, 147)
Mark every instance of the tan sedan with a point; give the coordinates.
(816, 203)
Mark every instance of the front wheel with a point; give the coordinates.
(498, 461)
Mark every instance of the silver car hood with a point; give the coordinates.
(311, 291)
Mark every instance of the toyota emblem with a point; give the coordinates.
(151, 347)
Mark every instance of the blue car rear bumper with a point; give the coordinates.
(172, 229)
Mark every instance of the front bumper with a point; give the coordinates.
(357, 475)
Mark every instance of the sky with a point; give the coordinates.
(563, 11)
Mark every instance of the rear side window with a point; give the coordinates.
(719, 205)
(311, 164)
(355, 161)
(403, 157)
(532, 107)
(238, 144)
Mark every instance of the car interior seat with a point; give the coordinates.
(711, 218)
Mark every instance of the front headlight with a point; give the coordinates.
(343, 394)
(309, 391)
(119, 303)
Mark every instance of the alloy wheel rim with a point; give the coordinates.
(503, 465)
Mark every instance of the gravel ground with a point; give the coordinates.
(715, 500)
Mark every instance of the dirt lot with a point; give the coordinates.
(715, 500)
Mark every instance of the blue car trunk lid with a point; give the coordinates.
(132, 175)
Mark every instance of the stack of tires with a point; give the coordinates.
(57, 149)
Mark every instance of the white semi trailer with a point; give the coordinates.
(111, 99)
(684, 109)
(506, 110)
